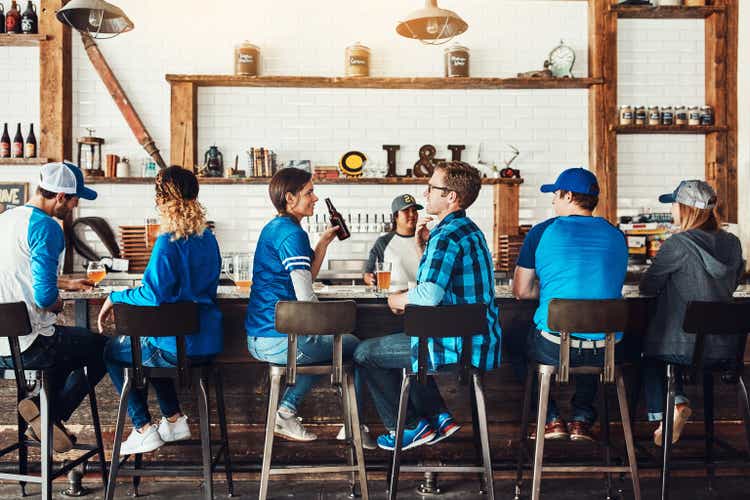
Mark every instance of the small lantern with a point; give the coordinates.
(90, 154)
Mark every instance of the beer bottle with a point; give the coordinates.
(16, 149)
(2, 18)
(30, 147)
(5, 143)
(13, 19)
(337, 220)
(29, 20)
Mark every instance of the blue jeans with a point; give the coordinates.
(654, 384)
(548, 353)
(119, 354)
(310, 349)
(64, 354)
(381, 361)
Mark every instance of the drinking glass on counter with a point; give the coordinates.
(152, 231)
(383, 276)
(241, 269)
(96, 272)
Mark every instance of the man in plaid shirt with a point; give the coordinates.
(455, 268)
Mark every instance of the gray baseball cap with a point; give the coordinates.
(693, 193)
(404, 201)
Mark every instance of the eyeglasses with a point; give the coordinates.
(430, 187)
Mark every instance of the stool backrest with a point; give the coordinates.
(335, 317)
(587, 316)
(167, 320)
(716, 318)
(14, 316)
(461, 320)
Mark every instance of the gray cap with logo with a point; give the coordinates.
(404, 201)
(693, 193)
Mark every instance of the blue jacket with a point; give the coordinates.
(185, 270)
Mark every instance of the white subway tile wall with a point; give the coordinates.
(659, 62)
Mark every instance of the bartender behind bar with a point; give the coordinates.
(398, 246)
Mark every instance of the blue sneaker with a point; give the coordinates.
(418, 436)
(446, 427)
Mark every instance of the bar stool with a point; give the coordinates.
(335, 318)
(15, 320)
(703, 319)
(464, 321)
(581, 316)
(169, 320)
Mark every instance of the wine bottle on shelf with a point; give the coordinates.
(29, 20)
(13, 19)
(338, 220)
(2, 18)
(5, 143)
(30, 146)
(16, 149)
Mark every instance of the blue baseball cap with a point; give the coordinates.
(576, 180)
(65, 177)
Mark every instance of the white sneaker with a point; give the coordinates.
(368, 443)
(291, 428)
(141, 442)
(174, 431)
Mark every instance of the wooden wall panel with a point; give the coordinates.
(184, 125)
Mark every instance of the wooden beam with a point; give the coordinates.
(55, 85)
(731, 120)
(603, 104)
(391, 181)
(184, 125)
(506, 212)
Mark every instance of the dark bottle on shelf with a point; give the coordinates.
(337, 220)
(16, 149)
(5, 143)
(29, 20)
(30, 146)
(13, 19)
(2, 18)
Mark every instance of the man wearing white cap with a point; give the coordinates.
(30, 252)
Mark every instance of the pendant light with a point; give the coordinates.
(432, 25)
(98, 18)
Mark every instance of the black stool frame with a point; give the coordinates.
(464, 321)
(703, 319)
(335, 318)
(15, 320)
(169, 320)
(581, 316)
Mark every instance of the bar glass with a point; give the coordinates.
(96, 272)
(383, 277)
(152, 231)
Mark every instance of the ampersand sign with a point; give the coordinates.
(426, 163)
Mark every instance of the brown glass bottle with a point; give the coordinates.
(16, 149)
(5, 143)
(2, 18)
(337, 220)
(29, 20)
(30, 146)
(13, 19)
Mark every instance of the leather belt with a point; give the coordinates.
(576, 343)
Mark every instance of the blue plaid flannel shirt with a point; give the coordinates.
(458, 260)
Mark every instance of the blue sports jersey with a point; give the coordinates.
(283, 246)
(575, 257)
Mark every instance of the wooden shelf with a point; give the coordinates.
(265, 180)
(23, 161)
(667, 129)
(665, 12)
(384, 82)
(21, 40)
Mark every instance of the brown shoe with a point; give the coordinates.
(580, 431)
(62, 441)
(555, 430)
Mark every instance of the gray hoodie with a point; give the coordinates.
(693, 265)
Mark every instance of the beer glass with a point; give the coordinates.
(96, 272)
(152, 231)
(241, 272)
(383, 276)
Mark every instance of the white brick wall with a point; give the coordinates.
(660, 62)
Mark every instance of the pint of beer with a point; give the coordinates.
(152, 231)
(383, 276)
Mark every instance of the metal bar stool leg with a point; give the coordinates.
(23, 450)
(708, 422)
(403, 405)
(97, 431)
(122, 412)
(137, 464)
(222, 414)
(475, 435)
(667, 428)
(524, 437)
(273, 403)
(356, 431)
(481, 410)
(622, 400)
(45, 403)
(745, 399)
(545, 380)
(343, 395)
(604, 437)
(205, 426)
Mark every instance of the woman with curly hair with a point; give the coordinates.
(184, 266)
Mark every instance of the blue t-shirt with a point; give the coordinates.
(575, 257)
(184, 270)
(283, 246)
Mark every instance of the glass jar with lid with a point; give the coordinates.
(680, 115)
(640, 115)
(654, 115)
(694, 115)
(357, 60)
(667, 115)
(626, 114)
(246, 59)
(456, 61)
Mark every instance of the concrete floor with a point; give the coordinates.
(727, 488)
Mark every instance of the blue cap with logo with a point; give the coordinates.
(576, 180)
(65, 177)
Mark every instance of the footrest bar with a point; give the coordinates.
(444, 468)
(574, 468)
(314, 470)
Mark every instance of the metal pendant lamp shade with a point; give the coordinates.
(98, 18)
(432, 25)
